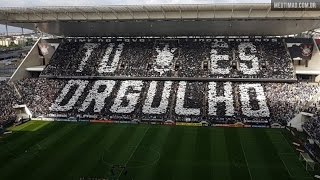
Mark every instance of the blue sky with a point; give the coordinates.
(31, 3)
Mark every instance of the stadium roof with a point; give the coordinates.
(161, 19)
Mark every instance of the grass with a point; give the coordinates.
(74, 151)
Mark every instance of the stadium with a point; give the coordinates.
(168, 91)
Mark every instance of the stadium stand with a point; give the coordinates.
(287, 99)
(8, 98)
(193, 58)
(224, 65)
(38, 93)
(180, 101)
(71, 86)
(313, 126)
(81, 94)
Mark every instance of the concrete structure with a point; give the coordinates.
(36, 60)
(20, 41)
(313, 67)
(6, 42)
(162, 20)
(32, 59)
(22, 112)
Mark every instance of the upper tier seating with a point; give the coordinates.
(193, 58)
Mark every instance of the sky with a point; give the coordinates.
(32, 3)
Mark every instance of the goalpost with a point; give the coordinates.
(310, 164)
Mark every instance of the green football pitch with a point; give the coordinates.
(59, 150)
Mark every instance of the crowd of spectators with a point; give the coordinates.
(190, 102)
(38, 93)
(193, 60)
(194, 101)
(285, 100)
(157, 99)
(312, 126)
(217, 58)
(181, 101)
(276, 56)
(8, 98)
(314, 105)
(135, 59)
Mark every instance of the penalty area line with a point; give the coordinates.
(288, 144)
(245, 159)
(285, 166)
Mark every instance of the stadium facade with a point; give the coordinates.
(239, 33)
(162, 20)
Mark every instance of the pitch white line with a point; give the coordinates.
(280, 154)
(293, 151)
(245, 159)
(285, 140)
(286, 166)
(135, 149)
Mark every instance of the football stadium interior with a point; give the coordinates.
(208, 91)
